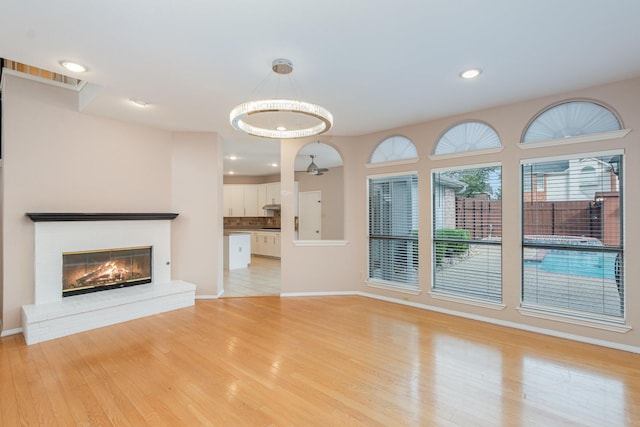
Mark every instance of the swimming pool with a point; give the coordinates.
(578, 263)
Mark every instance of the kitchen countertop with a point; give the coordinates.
(249, 230)
(231, 232)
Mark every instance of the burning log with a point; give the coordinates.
(106, 273)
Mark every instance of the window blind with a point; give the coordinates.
(571, 238)
(467, 233)
(393, 230)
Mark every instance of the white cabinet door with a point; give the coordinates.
(276, 245)
(233, 199)
(256, 243)
(259, 243)
(273, 193)
(262, 199)
(251, 200)
(265, 243)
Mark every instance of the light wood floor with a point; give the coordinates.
(316, 361)
(261, 278)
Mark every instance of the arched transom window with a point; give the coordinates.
(394, 148)
(467, 136)
(569, 119)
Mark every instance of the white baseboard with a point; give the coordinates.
(543, 331)
(10, 332)
(205, 297)
(319, 294)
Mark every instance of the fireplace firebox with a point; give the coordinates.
(99, 270)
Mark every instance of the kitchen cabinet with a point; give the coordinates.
(262, 199)
(274, 248)
(257, 243)
(251, 201)
(265, 243)
(241, 200)
(273, 193)
(268, 194)
(233, 200)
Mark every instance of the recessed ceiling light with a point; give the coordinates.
(73, 66)
(275, 165)
(231, 172)
(232, 157)
(471, 73)
(139, 102)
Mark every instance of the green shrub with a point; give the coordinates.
(448, 249)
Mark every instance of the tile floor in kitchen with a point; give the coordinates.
(261, 278)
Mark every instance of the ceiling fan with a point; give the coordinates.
(313, 169)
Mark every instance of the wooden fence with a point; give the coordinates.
(483, 218)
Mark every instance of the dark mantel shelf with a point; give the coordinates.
(62, 216)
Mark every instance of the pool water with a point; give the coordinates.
(591, 264)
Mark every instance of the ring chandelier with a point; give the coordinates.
(241, 112)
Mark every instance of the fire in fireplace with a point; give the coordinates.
(99, 270)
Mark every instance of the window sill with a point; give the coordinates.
(576, 139)
(565, 318)
(394, 287)
(468, 301)
(391, 163)
(460, 154)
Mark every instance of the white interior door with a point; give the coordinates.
(310, 215)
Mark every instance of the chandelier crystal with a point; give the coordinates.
(320, 115)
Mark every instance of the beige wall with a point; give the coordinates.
(58, 160)
(250, 179)
(331, 187)
(322, 269)
(196, 244)
(343, 268)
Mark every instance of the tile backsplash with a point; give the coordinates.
(250, 222)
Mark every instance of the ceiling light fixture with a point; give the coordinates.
(73, 66)
(471, 73)
(317, 119)
(139, 102)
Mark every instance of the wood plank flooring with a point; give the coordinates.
(316, 361)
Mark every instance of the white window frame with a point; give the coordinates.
(594, 320)
(413, 289)
(447, 296)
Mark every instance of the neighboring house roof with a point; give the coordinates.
(560, 166)
(550, 167)
(450, 182)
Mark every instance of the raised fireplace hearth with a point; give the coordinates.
(125, 256)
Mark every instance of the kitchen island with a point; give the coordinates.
(237, 249)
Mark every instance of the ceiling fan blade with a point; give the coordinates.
(313, 169)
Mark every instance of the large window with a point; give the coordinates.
(467, 233)
(571, 238)
(393, 230)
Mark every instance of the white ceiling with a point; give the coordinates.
(374, 64)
